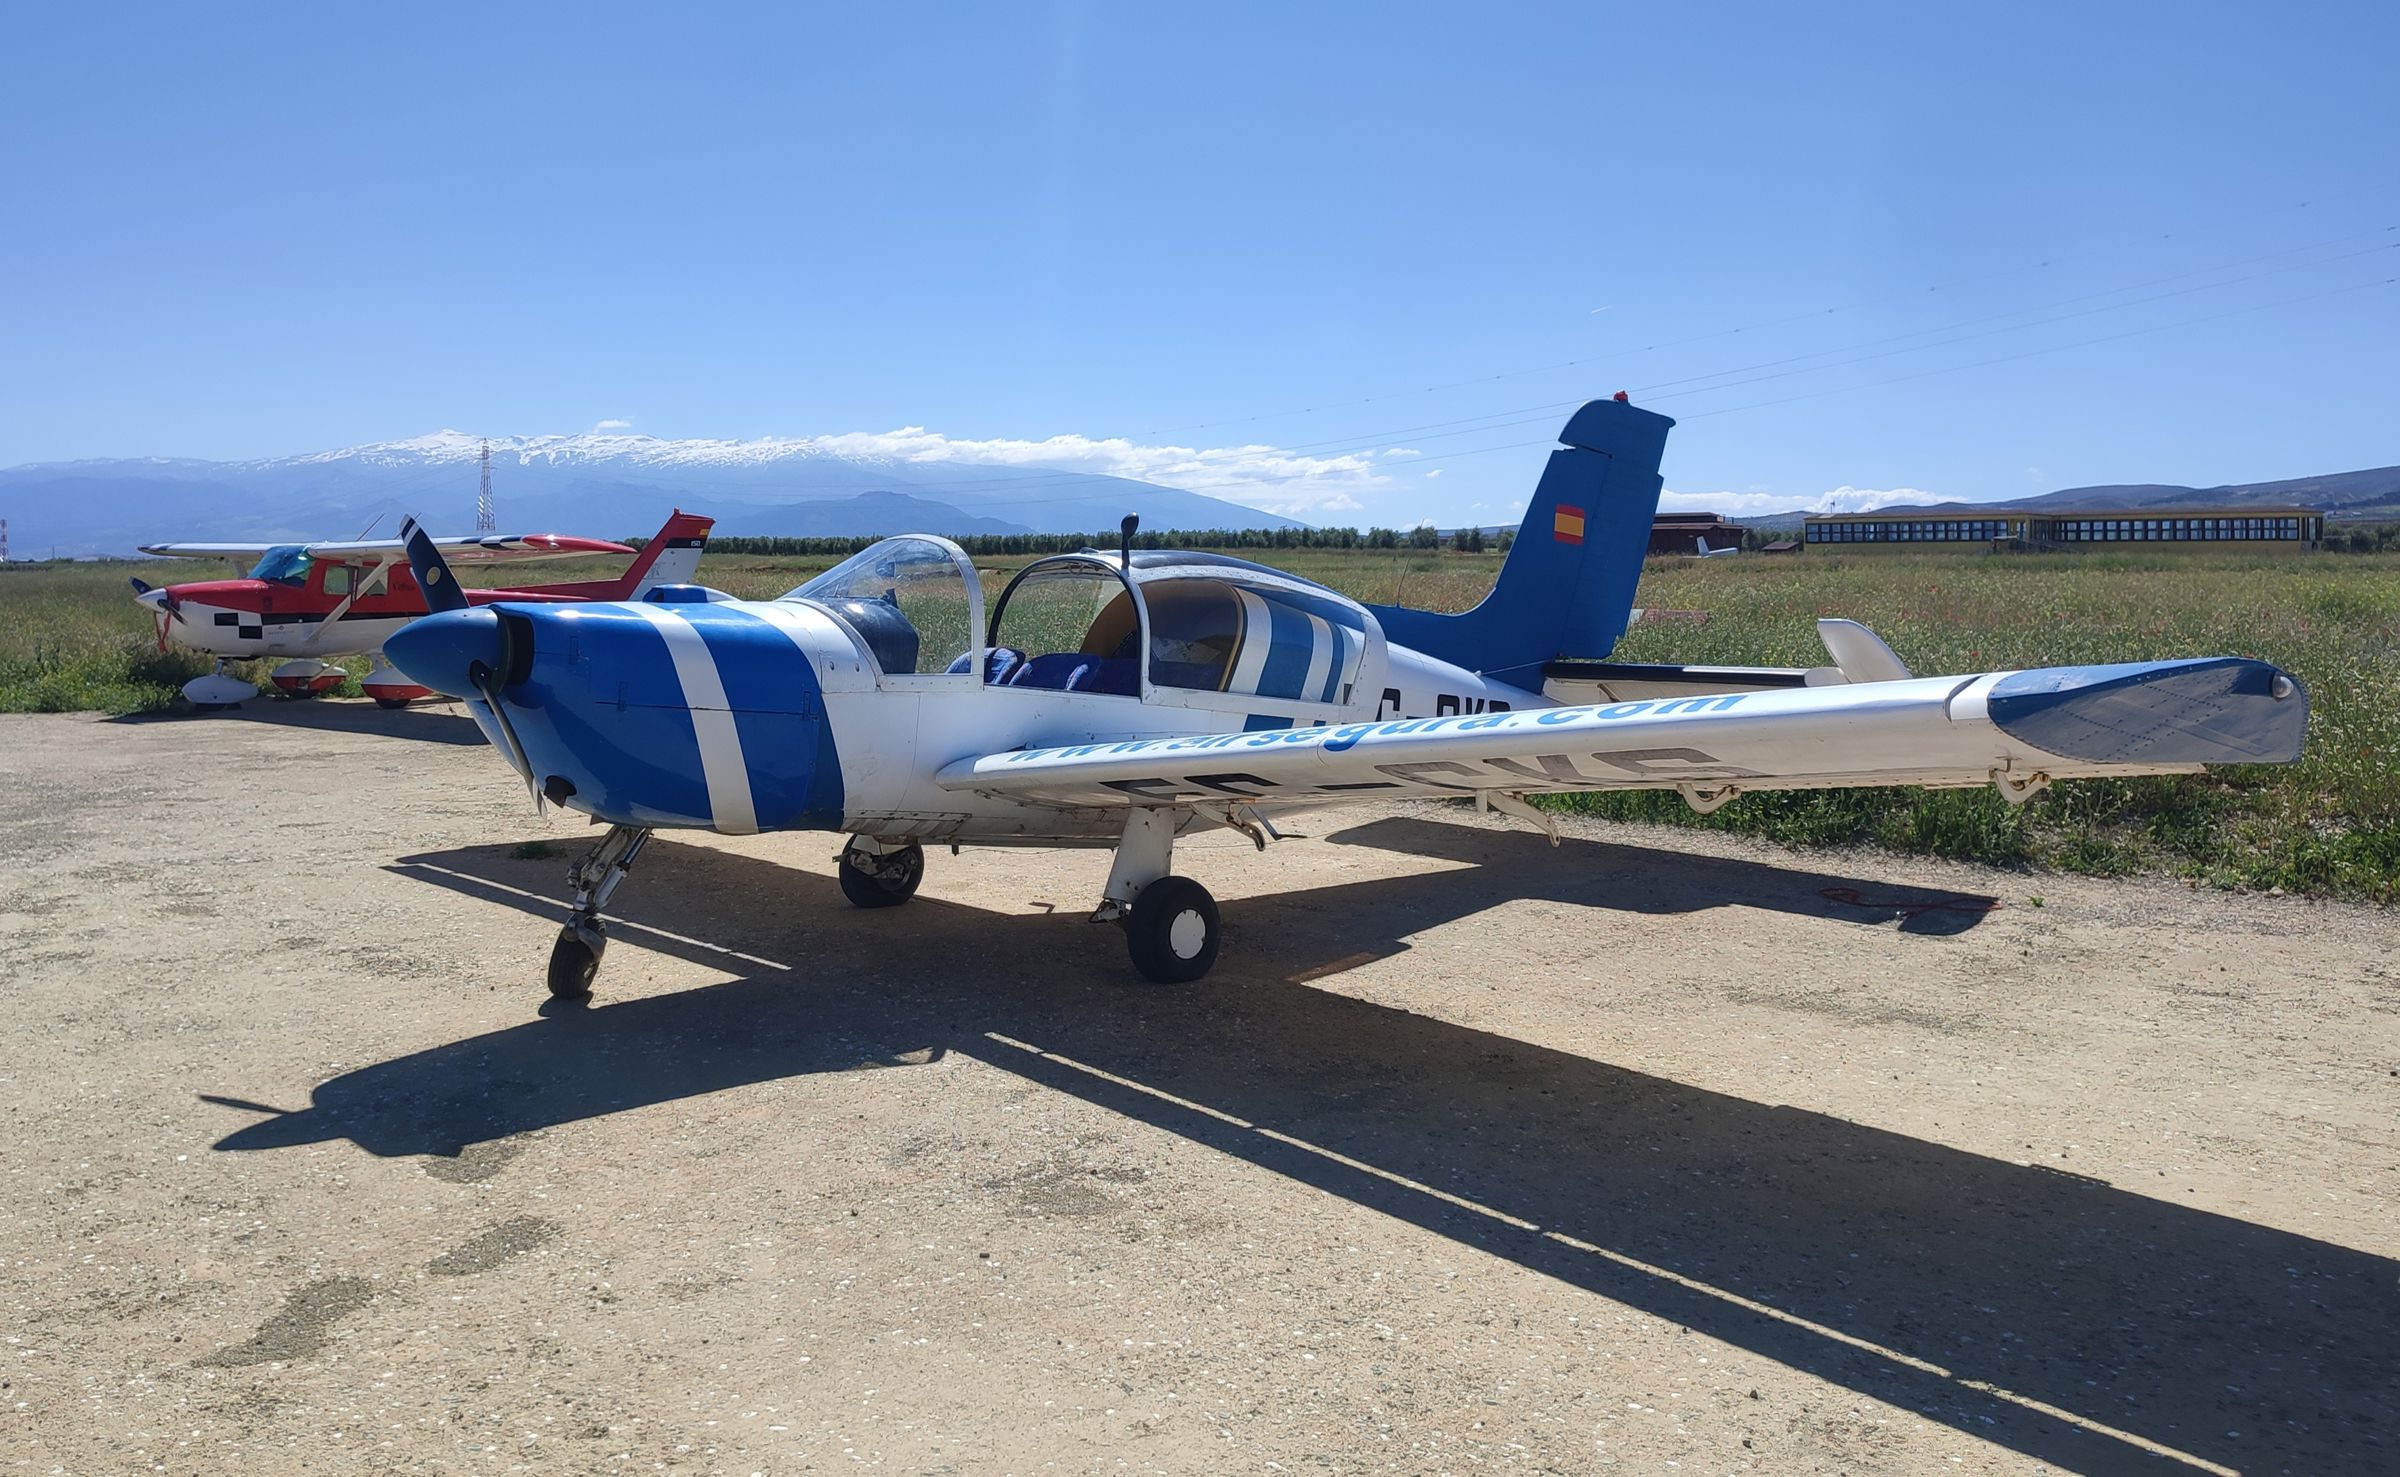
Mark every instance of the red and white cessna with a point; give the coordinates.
(311, 602)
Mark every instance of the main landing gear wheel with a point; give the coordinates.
(884, 880)
(1172, 932)
(575, 959)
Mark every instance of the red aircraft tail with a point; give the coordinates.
(672, 557)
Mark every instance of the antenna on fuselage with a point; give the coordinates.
(1125, 540)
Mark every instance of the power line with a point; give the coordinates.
(2214, 221)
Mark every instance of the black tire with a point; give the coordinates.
(1172, 931)
(884, 881)
(573, 965)
(391, 704)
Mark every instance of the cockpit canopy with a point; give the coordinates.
(1173, 625)
(913, 600)
(1193, 623)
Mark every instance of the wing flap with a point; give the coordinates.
(1931, 731)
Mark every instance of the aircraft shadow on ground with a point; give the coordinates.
(2054, 1314)
(435, 724)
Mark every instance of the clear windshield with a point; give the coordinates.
(285, 564)
(907, 598)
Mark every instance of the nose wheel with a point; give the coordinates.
(575, 960)
(575, 957)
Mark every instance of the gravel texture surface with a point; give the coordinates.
(1649, 1152)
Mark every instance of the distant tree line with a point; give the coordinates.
(1425, 537)
(2362, 538)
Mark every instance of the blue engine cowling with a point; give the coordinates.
(687, 714)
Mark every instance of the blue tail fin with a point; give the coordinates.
(1566, 587)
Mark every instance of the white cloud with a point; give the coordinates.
(613, 425)
(1400, 451)
(1844, 499)
(1258, 475)
(1436, 472)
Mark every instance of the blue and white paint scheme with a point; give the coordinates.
(1120, 698)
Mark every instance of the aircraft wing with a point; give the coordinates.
(250, 553)
(2018, 730)
(464, 550)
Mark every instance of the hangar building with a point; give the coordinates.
(1681, 533)
(2068, 529)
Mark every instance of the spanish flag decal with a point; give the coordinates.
(1567, 525)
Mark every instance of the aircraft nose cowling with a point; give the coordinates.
(442, 651)
(672, 715)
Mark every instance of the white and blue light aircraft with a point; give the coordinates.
(1123, 699)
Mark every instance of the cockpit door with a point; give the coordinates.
(1071, 623)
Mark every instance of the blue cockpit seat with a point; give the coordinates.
(1072, 671)
(1119, 675)
(999, 663)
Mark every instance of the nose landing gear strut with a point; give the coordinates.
(575, 958)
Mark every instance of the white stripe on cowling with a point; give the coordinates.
(1258, 639)
(793, 621)
(1320, 658)
(730, 807)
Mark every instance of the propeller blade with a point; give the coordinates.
(432, 571)
(488, 682)
(516, 748)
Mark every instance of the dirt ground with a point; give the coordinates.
(1653, 1152)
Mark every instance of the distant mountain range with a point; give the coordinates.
(600, 485)
(2366, 496)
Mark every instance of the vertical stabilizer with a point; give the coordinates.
(1566, 586)
(672, 558)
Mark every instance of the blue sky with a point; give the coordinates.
(255, 230)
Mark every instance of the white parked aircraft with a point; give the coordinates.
(1123, 699)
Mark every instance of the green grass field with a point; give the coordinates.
(71, 639)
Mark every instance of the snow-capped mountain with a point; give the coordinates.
(600, 484)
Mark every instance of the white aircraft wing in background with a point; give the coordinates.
(466, 549)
